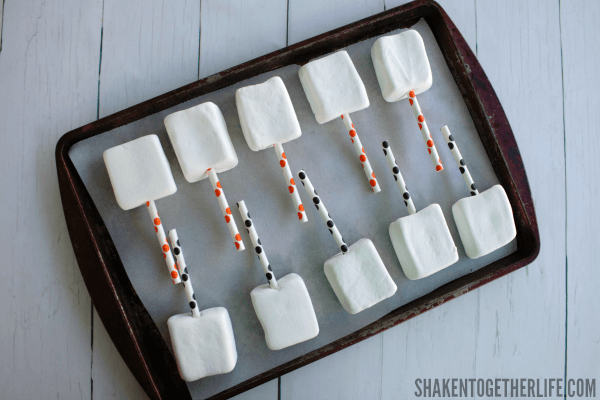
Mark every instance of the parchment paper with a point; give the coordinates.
(224, 277)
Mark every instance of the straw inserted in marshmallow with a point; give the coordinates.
(216, 184)
(185, 277)
(287, 174)
(425, 131)
(257, 245)
(360, 152)
(459, 161)
(337, 236)
(389, 155)
(162, 241)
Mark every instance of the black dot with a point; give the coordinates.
(462, 170)
(176, 251)
(473, 186)
(406, 188)
(248, 223)
(302, 175)
(451, 138)
(269, 267)
(405, 203)
(385, 144)
(329, 215)
(316, 192)
(178, 244)
(462, 162)
(384, 152)
(317, 206)
(344, 248)
(185, 270)
(406, 195)
(343, 239)
(183, 283)
(194, 296)
(269, 276)
(396, 169)
(395, 178)
(473, 194)
(330, 231)
(247, 230)
(184, 277)
(238, 204)
(258, 240)
(258, 249)
(248, 214)
(192, 304)
(451, 146)
(257, 256)
(330, 223)
(302, 182)
(316, 200)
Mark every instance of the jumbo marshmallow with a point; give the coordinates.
(357, 274)
(485, 220)
(139, 173)
(334, 88)
(268, 119)
(422, 240)
(203, 342)
(403, 70)
(282, 306)
(203, 147)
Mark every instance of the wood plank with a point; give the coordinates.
(49, 85)
(581, 60)
(236, 31)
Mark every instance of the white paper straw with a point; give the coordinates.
(387, 150)
(262, 256)
(233, 230)
(360, 152)
(287, 174)
(337, 236)
(425, 131)
(185, 277)
(459, 161)
(162, 241)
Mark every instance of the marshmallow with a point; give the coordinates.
(201, 141)
(423, 242)
(485, 222)
(139, 172)
(203, 346)
(359, 277)
(333, 87)
(401, 65)
(266, 114)
(286, 314)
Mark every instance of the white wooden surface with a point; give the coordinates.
(65, 62)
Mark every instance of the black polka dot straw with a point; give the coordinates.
(291, 184)
(462, 166)
(162, 241)
(360, 152)
(337, 236)
(389, 155)
(258, 249)
(185, 277)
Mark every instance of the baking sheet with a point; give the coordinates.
(224, 277)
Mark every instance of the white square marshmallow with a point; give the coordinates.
(266, 114)
(203, 346)
(401, 65)
(359, 277)
(201, 141)
(286, 314)
(333, 87)
(423, 242)
(139, 172)
(485, 222)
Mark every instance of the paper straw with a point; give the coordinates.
(360, 152)
(337, 236)
(185, 277)
(233, 230)
(162, 241)
(425, 131)
(459, 161)
(387, 150)
(264, 261)
(287, 174)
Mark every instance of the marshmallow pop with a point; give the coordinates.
(334, 88)
(140, 174)
(268, 119)
(203, 147)
(422, 240)
(403, 71)
(282, 306)
(485, 220)
(357, 274)
(203, 342)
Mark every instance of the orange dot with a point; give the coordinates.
(291, 189)
(217, 192)
(352, 140)
(373, 182)
(342, 116)
(363, 149)
(420, 126)
(373, 174)
(208, 169)
(411, 93)
(352, 126)
(301, 207)
(156, 229)
(174, 274)
(238, 237)
(282, 163)
(228, 210)
(439, 168)
(421, 118)
(292, 181)
(430, 143)
(156, 221)
(219, 185)
(164, 255)
(363, 165)
(176, 266)
(410, 101)
(147, 204)
(429, 150)
(165, 247)
(352, 133)
(283, 155)
(363, 158)
(237, 245)
(300, 216)
(227, 219)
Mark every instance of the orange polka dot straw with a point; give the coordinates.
(387, 151)
(287, 174)
(462, 166)
(233, 230)
(257, 245)
(185, 277)
(162, 241)
(360, 152)
(412, 99)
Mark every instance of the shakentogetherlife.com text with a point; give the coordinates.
(513, 388)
